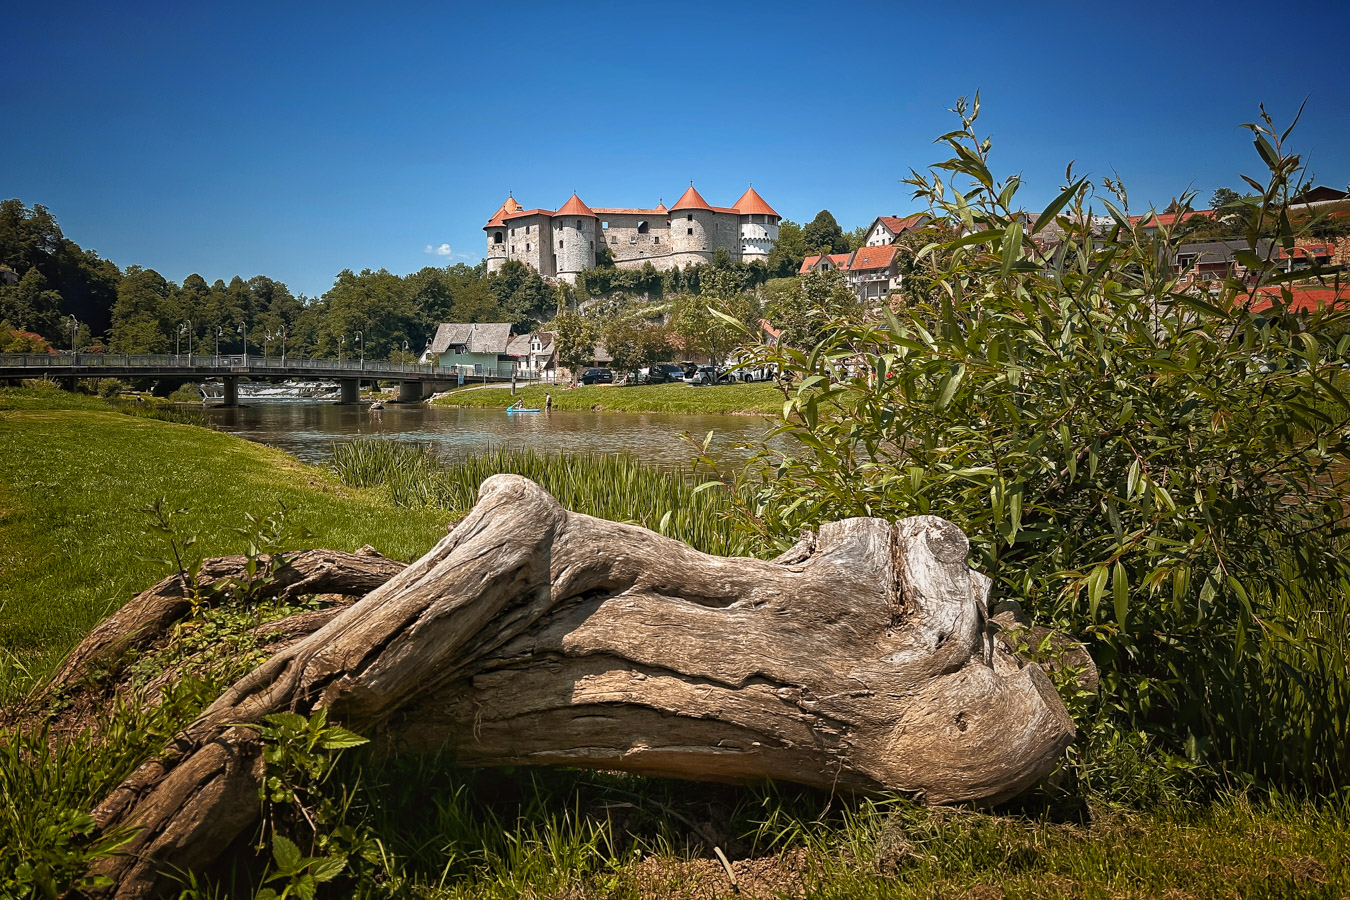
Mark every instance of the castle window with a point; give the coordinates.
(527, 248)
(690, 217)
(592, 245)
(656, 240)
(604, 224)
(642, 228)
(689, 231)
(559, 245)
(497, 238)
(613, 240)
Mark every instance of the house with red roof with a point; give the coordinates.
(565, 242)
(872, 272)
(888, 229)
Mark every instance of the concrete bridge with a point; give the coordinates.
(415, 380)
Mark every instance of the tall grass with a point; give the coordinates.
(608, 486)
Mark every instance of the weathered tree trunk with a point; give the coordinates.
(151, 613)
(860, 660)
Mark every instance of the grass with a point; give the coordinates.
(612, 487)
(753, 399)
(76, 478)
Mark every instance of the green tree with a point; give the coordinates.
(805, 309)
(575, 341)
(143, 318)
(785, 259)
(31, 305)
(823, 235)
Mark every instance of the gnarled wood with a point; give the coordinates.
(859, 660)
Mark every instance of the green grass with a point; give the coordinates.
(757, 399)
(75, 483)
(612, 487)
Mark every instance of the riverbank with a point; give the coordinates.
(763, 399)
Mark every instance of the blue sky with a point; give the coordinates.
(296, 140)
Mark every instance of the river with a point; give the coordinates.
(309, 430)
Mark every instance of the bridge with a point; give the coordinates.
(415, 380)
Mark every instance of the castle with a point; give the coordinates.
(564, 243)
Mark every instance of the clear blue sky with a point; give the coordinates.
(294, 140)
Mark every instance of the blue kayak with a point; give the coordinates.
(512, 409)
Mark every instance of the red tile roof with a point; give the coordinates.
(1304, 298)
(898, 226)
(873, 257)
(1167, 220)
(839, 259)
(574, 207)
(752, 203)
(527, 212)
(510, 206)
(613, 211)
(690, 199)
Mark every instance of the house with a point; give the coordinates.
(872, 272)
(1205, 263)
(1319, 195)
(888, 229)
(1154, 221)
(472, 349)
(535, 354)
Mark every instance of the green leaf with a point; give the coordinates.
(286, 854)
(1096, 587)
(1120, 590)
(1048, 214)
(337, 738)
(328, 868)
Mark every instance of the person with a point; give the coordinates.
(548, 402)
(519, 404)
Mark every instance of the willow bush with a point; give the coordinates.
(1155, 468)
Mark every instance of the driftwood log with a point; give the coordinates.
(863, 659)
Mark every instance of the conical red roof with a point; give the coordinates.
(752, 202)
(575, 207)
(506, 209)
(690, 199)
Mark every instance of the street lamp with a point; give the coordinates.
(283, 348)
(405, 356)
(362, 341)
(74, 339)
(342, 340)
(220, 330)
(186, 328)
(243, 330)
(267, 339)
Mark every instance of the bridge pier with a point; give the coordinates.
(351, 390)
(410, 392)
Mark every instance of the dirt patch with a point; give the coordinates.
(759, 878)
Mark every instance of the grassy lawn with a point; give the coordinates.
(762, 399)
(74, 486)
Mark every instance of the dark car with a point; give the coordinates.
(665, 373)
(597, 376)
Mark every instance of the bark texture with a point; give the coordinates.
(860, 660)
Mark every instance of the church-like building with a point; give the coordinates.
(563, 243)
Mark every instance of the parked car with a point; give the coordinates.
(597, 376)
(705, 375)
(665, 373)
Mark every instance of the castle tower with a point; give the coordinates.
(574, 239)
(496, 234)
(691, 229)
(759, 226)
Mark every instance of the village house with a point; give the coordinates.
(872, 271)
(535, 354)
(472, 349)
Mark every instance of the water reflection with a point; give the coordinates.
(310, 430)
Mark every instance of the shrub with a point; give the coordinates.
(187, 393)
(111, 387)
(1155, 470)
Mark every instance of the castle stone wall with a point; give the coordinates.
(574, 243)
(529, 240)
(628, 245)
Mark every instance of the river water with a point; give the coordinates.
(309, 430)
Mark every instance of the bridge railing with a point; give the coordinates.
(238, 364)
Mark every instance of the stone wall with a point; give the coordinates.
(530, 240)
(574, 243)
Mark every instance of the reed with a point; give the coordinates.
(608, 486)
